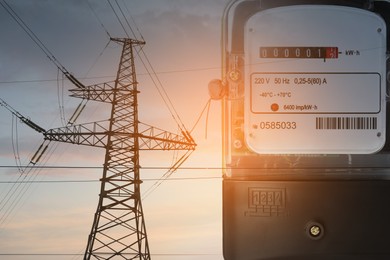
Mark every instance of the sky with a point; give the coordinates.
(47, 212)
(53, 214)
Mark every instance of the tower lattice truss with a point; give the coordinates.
(118, 229)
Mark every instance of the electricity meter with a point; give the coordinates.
(306, 129)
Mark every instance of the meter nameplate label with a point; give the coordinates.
(315, 81)
(291, 93)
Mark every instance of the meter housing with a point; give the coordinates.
(306, 129)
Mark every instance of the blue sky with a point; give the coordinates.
(183, 217)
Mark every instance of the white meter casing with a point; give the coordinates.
(306, 138)
(315, 87)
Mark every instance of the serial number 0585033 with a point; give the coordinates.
(276, 125)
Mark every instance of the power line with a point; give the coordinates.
(17, 191)
(142, 167)
(119, 20)
(207, 167)
(103, 77)
(95, 181)
(127, 22)
(79, 254)
(98, 19)
(132, 19)
(167, 174)
(32, 35)
(49, 181)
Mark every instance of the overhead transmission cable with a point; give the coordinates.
(168, 173)
(31, 34)
(15, 143)
(39, 43)
(119, 20)
(206, 107)
(132, 19)
(97, 181)
(60, 97)
(15, 193)
(143, 167)
(98, 19)
(127, 22)
(18, 190)
(111, 76)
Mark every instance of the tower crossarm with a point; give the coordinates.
(103, 92)
(152, 138)
(91, 134)
(96, 134)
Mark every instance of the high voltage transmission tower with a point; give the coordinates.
(118, 229)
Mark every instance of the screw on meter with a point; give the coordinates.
(317, 87)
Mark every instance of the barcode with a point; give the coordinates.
(347, 123)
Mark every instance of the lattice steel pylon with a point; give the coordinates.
(118, 230)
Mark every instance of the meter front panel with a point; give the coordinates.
(315, 81)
